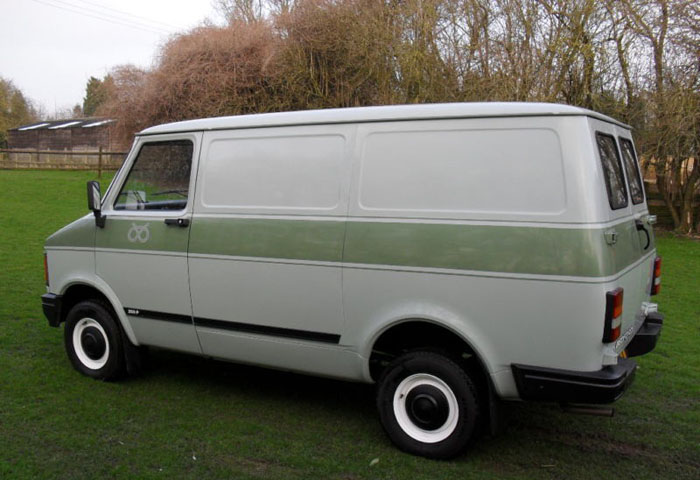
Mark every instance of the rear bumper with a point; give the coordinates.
(52, 303)
(647, 336)
(602, 386)
(554, 385)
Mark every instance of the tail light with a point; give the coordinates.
(613, 315)
(656, 277)
(46, 270)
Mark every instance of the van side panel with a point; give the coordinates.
(487, 170)
(510, 251)
(450, 168)
(505, 320)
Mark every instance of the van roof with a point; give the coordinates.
(379, 114)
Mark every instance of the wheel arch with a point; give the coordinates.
(80, 289)
(415, 332)
(418, 333)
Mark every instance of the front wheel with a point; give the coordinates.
(93, 341)
(428, 405)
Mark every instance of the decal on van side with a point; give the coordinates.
(130, 233)
(138, 233)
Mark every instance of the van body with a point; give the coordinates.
(487, 251)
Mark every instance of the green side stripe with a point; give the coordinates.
(293, 239)
(505, 249)
(527, 250)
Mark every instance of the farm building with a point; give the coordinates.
(77, 134)
(64, 144)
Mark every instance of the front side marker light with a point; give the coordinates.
(46, 270)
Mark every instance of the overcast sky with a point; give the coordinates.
(49, 48)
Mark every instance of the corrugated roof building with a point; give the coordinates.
(75, 134)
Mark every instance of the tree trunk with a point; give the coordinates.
(667, 197)
(658, 48)
(686, 213)
(624, 67)
(687, 196)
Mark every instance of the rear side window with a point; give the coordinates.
(159, 178)
(612, 169)
(632, 170)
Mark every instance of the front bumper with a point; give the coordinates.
(602, 386)
(52, 303)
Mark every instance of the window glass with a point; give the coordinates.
(612, 169)
(632, 170)
(159, 178)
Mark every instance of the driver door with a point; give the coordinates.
(142, 250)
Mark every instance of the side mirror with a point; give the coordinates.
(94, 202)
(93, 195)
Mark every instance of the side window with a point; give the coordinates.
(612, 169)
(632, 170)
(159, 178)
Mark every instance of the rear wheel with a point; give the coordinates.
(428, 405)
(93, 341)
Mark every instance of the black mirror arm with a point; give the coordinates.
(99, 218)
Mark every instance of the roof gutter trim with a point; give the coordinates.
(146, 133)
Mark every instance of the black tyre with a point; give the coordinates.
(93, 341)
(428, 405)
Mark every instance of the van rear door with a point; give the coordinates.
(630, 235)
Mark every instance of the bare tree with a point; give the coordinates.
(634, 59)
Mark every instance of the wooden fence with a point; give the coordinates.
(100, 160)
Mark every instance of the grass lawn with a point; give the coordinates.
(196, 418)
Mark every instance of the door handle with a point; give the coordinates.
(640, 228)
(180, 222)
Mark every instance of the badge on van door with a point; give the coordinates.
(138, 233)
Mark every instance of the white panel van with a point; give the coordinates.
(454, 254)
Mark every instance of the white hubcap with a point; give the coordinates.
(85, 359)
(401, 409)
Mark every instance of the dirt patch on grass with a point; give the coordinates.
(254, 466)
(601, 442)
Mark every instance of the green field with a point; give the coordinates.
(196, 418)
